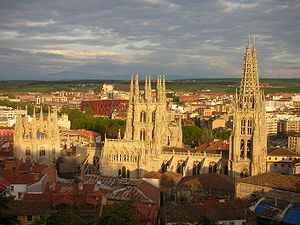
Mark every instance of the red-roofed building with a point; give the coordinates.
(27, 178)
(283, 161)
(106, 108)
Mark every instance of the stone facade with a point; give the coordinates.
(37, 138)
(248, 143)
(153, 138)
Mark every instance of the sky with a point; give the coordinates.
(111, 39)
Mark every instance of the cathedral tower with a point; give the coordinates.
(248, 143)
(148, 118)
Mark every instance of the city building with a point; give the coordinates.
(152, 140)
(294, 142)
(8, 116)
(271, 124)
(269, 184)
(289, 125)
(106, 108)
(37, 138)
(283, 161)
(248, 146)
(217, 123)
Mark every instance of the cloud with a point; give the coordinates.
(230, 6)
(99, 38)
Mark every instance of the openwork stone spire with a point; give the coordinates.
(249, 89)
(248, 143)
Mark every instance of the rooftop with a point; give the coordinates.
(274, 180)
(282, 152)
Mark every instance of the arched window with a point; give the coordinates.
(142, 134)
(179, 168)
(164, 167)
(212, 168)
(249, 147)
(196, 168)
(169, 141)
(249, 127)
(243, 126)
(27, 152)
(153, 116)
(42, 152)
(123, 173)
(143, 117)
(242, 149)
(244, 173)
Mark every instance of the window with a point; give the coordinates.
(242, 149)
(12, 187)
(143, 117)
(249, 128)
(29, 218)
(153, 116)
(42, 152)
(27, 152)
(142, 135)
(243, 126)
(249, 147)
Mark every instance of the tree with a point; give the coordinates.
(80, 120)
(204, 220)
(5, 217)
(119, 214)
(193, 135)
(221, 133)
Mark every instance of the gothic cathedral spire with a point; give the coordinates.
(248, 143)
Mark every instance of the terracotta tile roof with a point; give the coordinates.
(131, 192)
(214, 146)
(214, 210)
(274, 180)
(23, 179)
(149, 190)
(153, 175)
(282, 152)
(38, 168)
(169, 179)
(208, 181)
(3, 185)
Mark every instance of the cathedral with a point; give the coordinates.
(248, 143)
(37, 138)
(152, 139)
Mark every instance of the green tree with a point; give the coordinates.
(80, 120)
(194, 135)
(221, 133)
(62, 216)
(5, 217)
(119, 214)
(206, 221)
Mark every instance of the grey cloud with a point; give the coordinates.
(185, 38)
